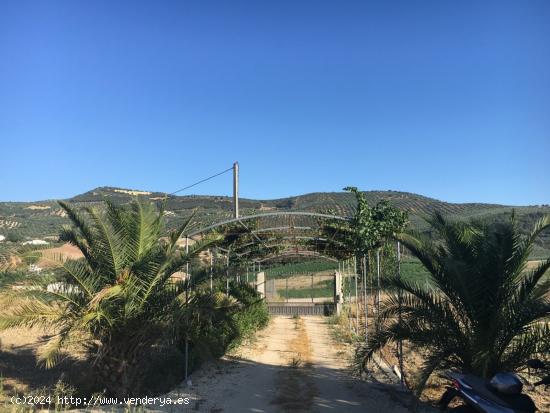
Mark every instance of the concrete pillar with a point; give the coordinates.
(260, 283)
(338, 293)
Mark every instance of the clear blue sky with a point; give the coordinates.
(450, 99)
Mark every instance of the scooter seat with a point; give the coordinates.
(520, 403)
(483, 389)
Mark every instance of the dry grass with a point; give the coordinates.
(299, 282)
(295, 390)
(19, 367)
(531, 265)
(51, 257)
(414, 359)
(20, 371)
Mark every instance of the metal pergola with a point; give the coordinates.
(278, 235)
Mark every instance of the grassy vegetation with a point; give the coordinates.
(340, 329)
(306, 267)
(413, 270)
(11, 277)
(307, 292)
(219, 326)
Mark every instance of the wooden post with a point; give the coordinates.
(365, 295)
(400, 343)
(377, 282)
(211, 270)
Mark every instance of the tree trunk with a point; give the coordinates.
(121, 367)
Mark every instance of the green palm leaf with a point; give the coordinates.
(486, 312)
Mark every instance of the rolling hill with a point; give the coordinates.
(43, 219)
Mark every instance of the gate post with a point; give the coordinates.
(338, 296)
(260, 283)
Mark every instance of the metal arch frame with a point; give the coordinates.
(244, 254)
(289, 237)
(300, 253)
(297, 227)
(267, 214)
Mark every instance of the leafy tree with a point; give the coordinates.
(487, 313)
(120, 299)
(372, 226)
(14, 236)
(368, 229)
(31, 259)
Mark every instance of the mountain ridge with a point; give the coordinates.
(45, 218)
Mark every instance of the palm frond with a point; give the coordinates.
(486, 312)
(30, 313)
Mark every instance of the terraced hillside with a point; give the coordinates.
(44, 218)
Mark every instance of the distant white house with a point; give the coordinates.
(61, 287)
(2, 238)
(35, 268)
(36, 242)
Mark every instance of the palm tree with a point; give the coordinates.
(487, 312)
(119, 299)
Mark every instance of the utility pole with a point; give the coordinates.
(236, 189)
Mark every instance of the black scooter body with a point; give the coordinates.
(480, 397)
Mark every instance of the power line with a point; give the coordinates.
(201, 181)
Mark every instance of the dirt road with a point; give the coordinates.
(293, 366)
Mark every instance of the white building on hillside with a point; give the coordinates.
(61, 287)
(2, 238)
(36, 242)
(35, 268)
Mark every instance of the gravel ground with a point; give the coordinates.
(292, 366)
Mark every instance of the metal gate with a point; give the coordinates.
(270, 289)
(325, 309)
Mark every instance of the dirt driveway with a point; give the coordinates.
(293, 366)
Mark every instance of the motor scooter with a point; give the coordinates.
(501, 394)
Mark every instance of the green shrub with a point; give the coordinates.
(221, 323)
(30, 259)
(252, 314)
(210, 326)
(10, 277)
(14, 236)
